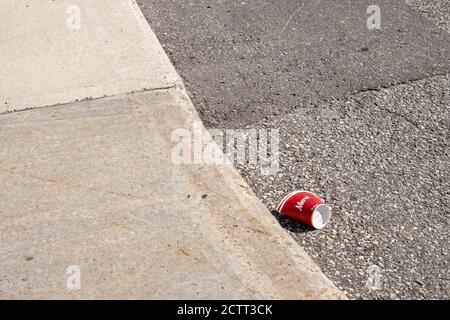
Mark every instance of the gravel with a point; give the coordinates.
(436, 10)
(381, 161)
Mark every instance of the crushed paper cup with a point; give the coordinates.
(305, 207)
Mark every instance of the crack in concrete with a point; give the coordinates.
(173, 86)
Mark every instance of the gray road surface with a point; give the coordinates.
(381, 160)
(358, 125)
(244, 60)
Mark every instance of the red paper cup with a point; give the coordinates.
(306, 208)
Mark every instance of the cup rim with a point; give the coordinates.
(324, 211)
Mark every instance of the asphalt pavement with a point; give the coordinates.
(363, 115)
(381, 161)
(436, 10)
(242, 61)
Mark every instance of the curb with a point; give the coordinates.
(137, 225)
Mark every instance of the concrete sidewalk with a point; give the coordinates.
(63, 59)
(92, 184)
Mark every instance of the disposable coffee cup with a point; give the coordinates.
(305, 207)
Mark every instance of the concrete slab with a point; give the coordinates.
(92, 184)
(245, 60)
(87, 49)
